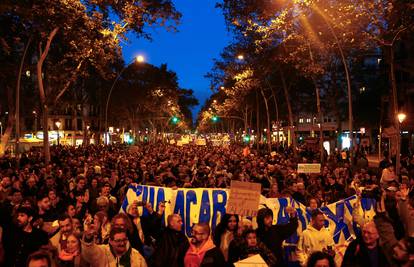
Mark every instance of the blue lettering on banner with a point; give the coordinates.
(205, 208)
(161, 198)
(145, 198)
(338, 219)
(282, 218)
(179, 204)
(367, 203)
(191, 197)
(218, 206)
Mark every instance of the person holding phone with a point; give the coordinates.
(316, 237)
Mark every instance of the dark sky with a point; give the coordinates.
(189, 52)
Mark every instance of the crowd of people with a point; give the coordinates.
(66, 213)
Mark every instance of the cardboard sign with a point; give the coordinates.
(309, 168)
(253, 261)
(201, 142)
(244, 198)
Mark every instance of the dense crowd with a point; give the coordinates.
(66, 213)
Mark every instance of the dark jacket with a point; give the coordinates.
(18, 245)
(213, 258)
(357, 255)
(171, 249)
(264, 252)
(274, 236)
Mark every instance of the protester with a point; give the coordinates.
(225, 232)
(59, 240)
(202, 251)
(274, 235)
(253, 246)
(172, 245)
(21, 239)
(117, 252)
(71, 255)
(320, 259)
(315, 237)
(365, 251)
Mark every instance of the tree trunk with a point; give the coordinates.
(17, 111)
(258, 133)
(10, 122)
(39, 65)
(395, 107)
(277, 114)
(269, 145)
(290, 113)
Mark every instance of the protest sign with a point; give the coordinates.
(244, 198)
(201, 142)
(309, 168)
(253, 261)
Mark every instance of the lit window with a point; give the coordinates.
(362, 89)
(308, 120)
(300, 120)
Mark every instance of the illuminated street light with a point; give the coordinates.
(240, 57)
(215, 101)
(139, 59)
(401, 117)
(222, 87)
(58, 124)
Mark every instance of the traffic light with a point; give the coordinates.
(214, 119)
(246, 138)
(175, 120)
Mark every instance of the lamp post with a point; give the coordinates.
(139, 59)
(35, 122)
(58, 123)
(1, 131)
(401, 117)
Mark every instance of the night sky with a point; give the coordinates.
(201, 36)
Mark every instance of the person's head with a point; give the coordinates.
(317, 219)
(313, 203)
(370, 234)
(43, 203)
(274, 188)
(175, 222)
(72, 244)
(70, 210)
(320, 259)
(250, 237)
(24, 216)
(200, 234)
(265, 217)
(80, 185)
(52, 194)
(102, 203)
(65, 224)
(118, 240)
(106, 190)
(16, 196)
(39, 259)
(121, 221)
(6, 182)
(100, 218)
(133, 210)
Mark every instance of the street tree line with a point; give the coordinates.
(290, 57)
(67, 53)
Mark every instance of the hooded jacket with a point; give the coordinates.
(313, 240)
(206, 256)
(274, 236)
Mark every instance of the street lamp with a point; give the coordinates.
(240, 57)
(58, 124)
(139, 59)
(401, 117)
(35, 122)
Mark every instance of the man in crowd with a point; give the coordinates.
(202, 251)
(365, 251)
(22, 239)
(316, 237)
(273, 235)
(117, 253)
(172, 245)
(58, 241)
